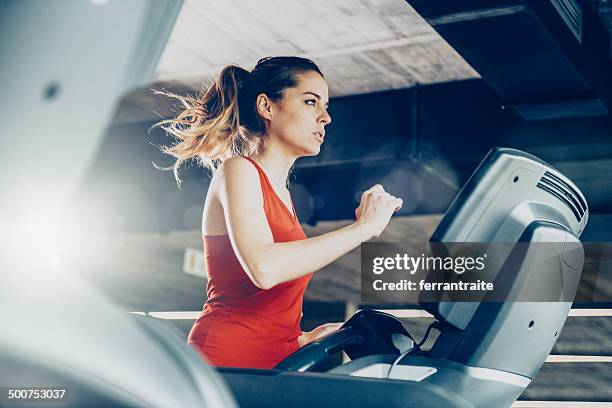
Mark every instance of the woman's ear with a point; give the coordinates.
(264, 106)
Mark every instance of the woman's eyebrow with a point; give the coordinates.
(317, 96)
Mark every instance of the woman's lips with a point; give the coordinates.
(320, 136)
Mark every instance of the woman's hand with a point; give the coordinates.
(323, 330)
(375, 209)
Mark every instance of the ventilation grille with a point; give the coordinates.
(564, 192)
(571, 12)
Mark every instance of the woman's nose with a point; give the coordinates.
(325, 118)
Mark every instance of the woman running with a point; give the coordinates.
(249, 128)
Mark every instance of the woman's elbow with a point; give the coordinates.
(262, 278)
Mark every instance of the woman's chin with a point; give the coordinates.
(310, 151)
(315, 151)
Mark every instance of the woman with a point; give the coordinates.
(249, 128)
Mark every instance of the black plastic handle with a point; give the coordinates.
(367, 332)
(313, 353)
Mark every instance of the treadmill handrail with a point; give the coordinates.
(316, 351)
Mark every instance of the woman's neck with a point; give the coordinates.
(276, 163)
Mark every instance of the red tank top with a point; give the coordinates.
(242, 325)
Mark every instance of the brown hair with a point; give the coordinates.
(222, 121)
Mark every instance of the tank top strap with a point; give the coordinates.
(268, 190)
(262, 174)
(263, 177)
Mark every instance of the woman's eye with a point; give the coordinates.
(311, 102)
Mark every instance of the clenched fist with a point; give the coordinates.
(375, 210)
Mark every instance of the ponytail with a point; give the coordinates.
(208, 128)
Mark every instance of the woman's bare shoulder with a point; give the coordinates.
(237, 164)
(237, 189)
(237, 170)
(233, 179)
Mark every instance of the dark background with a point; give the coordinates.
(422, 143)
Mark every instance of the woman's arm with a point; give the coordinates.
(268, 263)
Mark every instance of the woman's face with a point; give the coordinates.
(298, 120)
